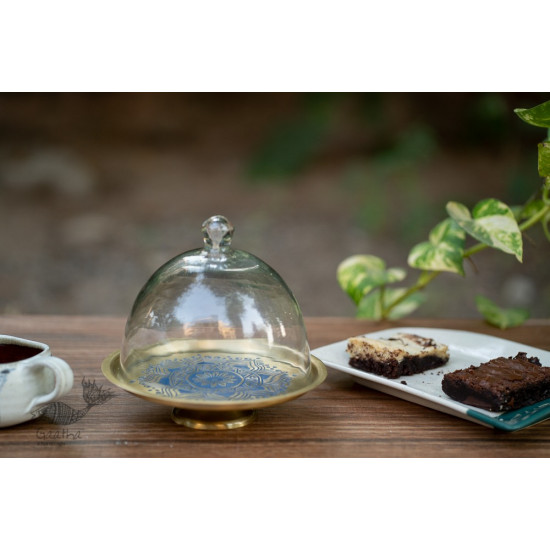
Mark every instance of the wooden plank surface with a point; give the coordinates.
(338, 419)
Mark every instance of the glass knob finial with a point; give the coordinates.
(217, 232)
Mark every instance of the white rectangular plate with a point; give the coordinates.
(465, 349)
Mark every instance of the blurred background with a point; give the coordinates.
(97, 190)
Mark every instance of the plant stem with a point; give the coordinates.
(535, 218)
(427, 277)
(424, 278)
(546, 191)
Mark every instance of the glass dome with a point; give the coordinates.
(216, 325)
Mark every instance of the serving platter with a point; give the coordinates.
(465, 349)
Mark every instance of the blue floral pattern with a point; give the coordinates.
(215, 378)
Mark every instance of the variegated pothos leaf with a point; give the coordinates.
(500, 317)
(443, 251)
(544, 159)
(371, 308)
(359, 274)
(491, 222)
(537, 116)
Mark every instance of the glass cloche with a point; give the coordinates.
(215, 333)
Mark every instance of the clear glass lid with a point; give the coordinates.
(222, 315)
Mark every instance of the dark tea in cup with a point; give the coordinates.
(9, 353)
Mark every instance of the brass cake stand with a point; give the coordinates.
(203, 414)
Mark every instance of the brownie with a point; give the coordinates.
(392, 368)
(501, 384)
(395, 356)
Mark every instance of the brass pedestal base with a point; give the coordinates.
(213, 420)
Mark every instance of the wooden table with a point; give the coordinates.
(338, 419)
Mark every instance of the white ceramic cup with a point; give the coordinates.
(29, 378)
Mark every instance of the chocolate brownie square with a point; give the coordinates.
(501, 384)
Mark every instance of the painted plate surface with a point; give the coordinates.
(465, 349)
(214, 382)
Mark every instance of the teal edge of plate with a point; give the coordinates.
(515, 420)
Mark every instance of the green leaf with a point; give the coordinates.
(544, 159)
(443, 251)
(546, 225)
(458, 211)
(529, 209)
(359, 274)
(537, 116)
(371, 308)
(491, 222)
(499, 317)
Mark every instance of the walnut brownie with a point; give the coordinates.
(395, 356)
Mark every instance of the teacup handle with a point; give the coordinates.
(63, 376)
